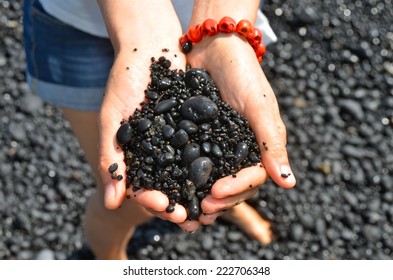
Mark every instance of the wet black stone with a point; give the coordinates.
(124, 134)
(190, 153)
(189, 126)
(240, 153)
(196, 73)
(147, 147)
(165, 106)
(216, 151)
(200, 171)
(168, 131)
(199, 109)
(144, 124)
(164, 83)
(113, 167)
(206, 147)
(180, 138)
(165, 159)
(186, 47)
(193, 208)
(170, 208)
(152, 95)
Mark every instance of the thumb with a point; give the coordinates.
(270, 132)
(111, 167)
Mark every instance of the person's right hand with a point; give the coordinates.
(135, 42)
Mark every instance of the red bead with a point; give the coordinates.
(260, 50)
(259, 59)
(183, 39)
(227, 25)
(256, 38)
(194, 34)
(209, 27)
(244, 28)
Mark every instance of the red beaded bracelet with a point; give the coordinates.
(210, 27)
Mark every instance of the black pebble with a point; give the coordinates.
(188, 126)
(193, 208)
(144, 124)
(113, 167)
(165, 106)
(199, 171)
(170, 208)
(240, 153)
(152, 95)
(190, 153)
(186, 47)
(167, 131)
(180, 138)
(199, 108)
(124, 134)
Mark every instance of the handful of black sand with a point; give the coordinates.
(184, 138)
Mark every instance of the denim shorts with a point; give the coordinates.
(65, 66)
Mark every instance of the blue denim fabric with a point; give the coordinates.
(65, 66)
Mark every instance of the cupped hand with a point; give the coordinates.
(126, 84)
(232, 63)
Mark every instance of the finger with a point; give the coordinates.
(110, 153)
(151, 199)
(244, 180)
(211, 205)
(190, 226)
(178, 216)
(264, 118)
(207, 219)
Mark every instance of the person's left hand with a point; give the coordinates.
(232, 63)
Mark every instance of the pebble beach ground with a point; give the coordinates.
(332, 71)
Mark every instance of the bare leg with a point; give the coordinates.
(107, 231)
(250, 222)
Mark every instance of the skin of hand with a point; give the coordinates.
(124, 92)
(234, 67)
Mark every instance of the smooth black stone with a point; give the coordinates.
(199, 109)
(194, 83)
(199, 73)
(189, 126)
(124, 134)
(144, 124)
(351, 107)
(169, 120)
(240, 153)
(167, 131)
(164, 83)
(200, 170)
(180, 138)
(165, 159)
(147, 147)
(165, 106)
(204, 137)
(193, 208)
(186, 47)
(170, 208)
(206, 147)
(113, 167)
(170, 149)
(190, 153)
(216, 151)
(152, 95)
